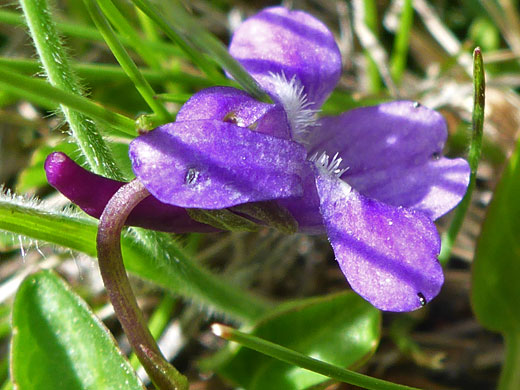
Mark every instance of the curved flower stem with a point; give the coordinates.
(162, 374)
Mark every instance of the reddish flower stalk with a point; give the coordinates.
(162, 374)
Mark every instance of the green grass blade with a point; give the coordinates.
(126, 30)
(183, 25)
(172, 32)
(402, 42)
(479, 83)
(371, 21)
(162, 261)
(510, 374)
(289, 356)
(127, 63)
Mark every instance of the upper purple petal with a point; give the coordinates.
(92, 192)
(393, 154)
(211, 164)
(236, 106)
(292, 43)
(388, 254)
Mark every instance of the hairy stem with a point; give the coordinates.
(162, 374)
(55, 63)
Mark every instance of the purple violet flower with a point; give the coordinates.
(372, 178)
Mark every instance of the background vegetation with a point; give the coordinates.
(402, 49)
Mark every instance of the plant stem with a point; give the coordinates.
(43, 93)
(113, 272)
(370, 19)
(295, 358)
(402, 42)
(479, 83)
(510, 375)
(158, 321)
(56, 65)
(126, 62)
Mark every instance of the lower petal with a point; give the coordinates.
(388, 254)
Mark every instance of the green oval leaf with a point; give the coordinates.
(340, 329)
(495, 290)
(58, 343)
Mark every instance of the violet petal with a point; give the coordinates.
(211, 164)
(388, 254)
(393, 154)
(235, 106)
(92, 192)
(292, 43)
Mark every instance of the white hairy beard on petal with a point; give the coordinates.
(330, 166)
(292, 96)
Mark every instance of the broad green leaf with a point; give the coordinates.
(495, 292)
(58, 343)
(340, 329)
(164, 263)
(496, 270)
